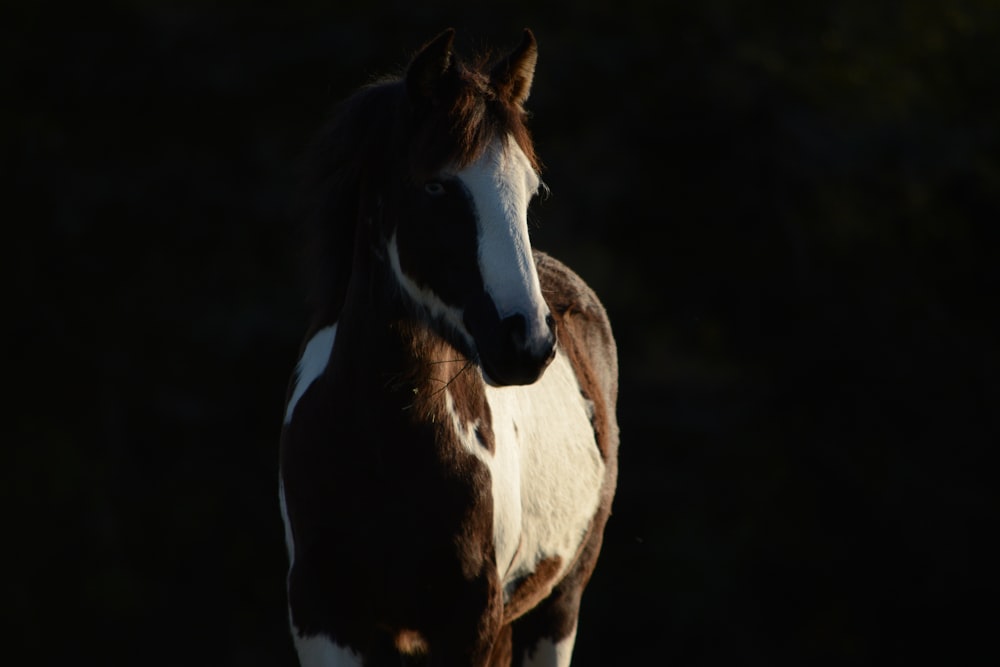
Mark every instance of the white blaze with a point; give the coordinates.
(502, 182)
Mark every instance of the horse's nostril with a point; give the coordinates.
(513, 330)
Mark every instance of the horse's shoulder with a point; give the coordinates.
(584, 332)
(565, 291)
(576, 305)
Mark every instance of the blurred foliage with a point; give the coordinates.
(789, 208)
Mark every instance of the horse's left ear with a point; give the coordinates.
(512, 76)
(429, 65)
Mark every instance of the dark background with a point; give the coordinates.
(791, 212)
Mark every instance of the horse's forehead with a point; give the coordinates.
(501, 164)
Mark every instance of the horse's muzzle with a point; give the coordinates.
(511, 355)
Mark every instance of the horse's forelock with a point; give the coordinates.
(467, 118)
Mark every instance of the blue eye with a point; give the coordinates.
(434, 189)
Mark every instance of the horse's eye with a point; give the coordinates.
(434, 189)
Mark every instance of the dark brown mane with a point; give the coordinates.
(379, 138)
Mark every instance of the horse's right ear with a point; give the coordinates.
(429, 65)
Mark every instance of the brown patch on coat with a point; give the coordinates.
(410, 642)
(392, 518)
(502, 654)
(444, 369)
(533, 588)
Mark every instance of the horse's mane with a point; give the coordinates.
(378, 136)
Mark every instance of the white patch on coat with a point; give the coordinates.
(319, 651)
(430, 301)
(549, 654)
(502, 182)
(316, 650)
(311, 365)
(504, 464)
(546, 471)
(283, 506)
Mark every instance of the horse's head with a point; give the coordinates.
(455, 221)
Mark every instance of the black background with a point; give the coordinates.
(790, 210)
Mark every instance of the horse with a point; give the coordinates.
(448, 455)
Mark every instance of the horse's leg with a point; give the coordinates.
(544, 637)
(501, 654)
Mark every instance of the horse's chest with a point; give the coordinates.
(545, 476)
(546, 471)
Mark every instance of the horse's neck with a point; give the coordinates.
(358, 301)
(382, 343)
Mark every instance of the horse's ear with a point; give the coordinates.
(512, 76)
(429, 65)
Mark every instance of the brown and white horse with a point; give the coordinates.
(449, 449)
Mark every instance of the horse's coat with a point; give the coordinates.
(540, 431)
(449, 450)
